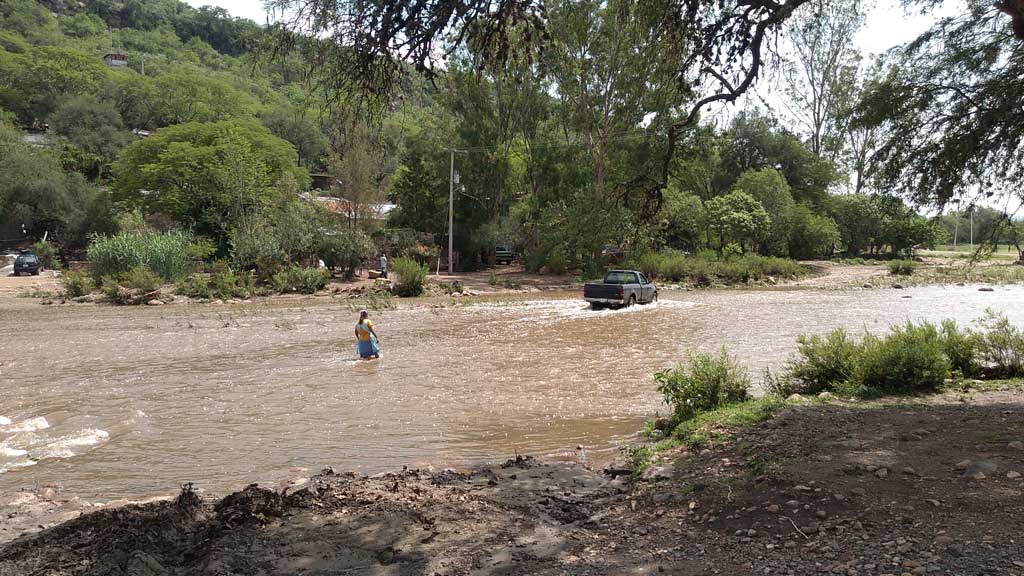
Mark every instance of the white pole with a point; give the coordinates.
(956, 226)
(451, 209)
(972, 229)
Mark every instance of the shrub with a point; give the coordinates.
(821, 362)
(47, 254)
(344, 248)
(140, 278)
(707, 267)
(166, 254)
(77, 284)
(910, 359)
(704, 383)
(411, 276)
(253, 243)
(557, 262)
(961, 348)
(225, 283)
(296, 278)
(1001, 347)
(902, 267)
(195, 286)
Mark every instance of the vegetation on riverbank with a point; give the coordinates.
(709, 395)
(708, 268)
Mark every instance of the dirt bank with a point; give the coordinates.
(918, 487)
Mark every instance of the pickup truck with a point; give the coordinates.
(620, 288)
(503, 255)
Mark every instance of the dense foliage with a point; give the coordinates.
(910, 358)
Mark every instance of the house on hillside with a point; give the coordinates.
(115, 59)
(375, 211)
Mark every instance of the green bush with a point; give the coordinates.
(708, 267)
(821, 362)
(223, 283)
(77, 284)
(704, 383)
(411, 276)
(166, 254)
(47, 254)
(1001, 347)
(344, 248)
(961, 348)
(140, 278)
(195, 286)
(296, 278)
(910, 359)
(902, 267)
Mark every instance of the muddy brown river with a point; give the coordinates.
(120, 402)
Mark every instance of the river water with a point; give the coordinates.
(120, 402)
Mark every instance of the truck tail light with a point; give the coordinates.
(622, 291)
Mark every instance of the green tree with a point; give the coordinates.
(92, 127)
(859, 221)
(299, 129)
(812, 235)
(951, 107)
(196, 97)
(753, 142)
(682, 219)
(769, 187)
(738, 218)
(206, 175)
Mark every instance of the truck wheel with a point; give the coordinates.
(632, 301)
(596, 306)
(654, 298)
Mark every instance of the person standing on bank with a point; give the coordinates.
(383, 265)
(366, 338)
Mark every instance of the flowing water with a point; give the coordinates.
(126, 402)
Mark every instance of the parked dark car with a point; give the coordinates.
(620, 288)
(504, 255)
(27, 264)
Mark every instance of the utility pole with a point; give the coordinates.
(451, 207)
(972, 228)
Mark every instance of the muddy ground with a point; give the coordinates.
(928, 486)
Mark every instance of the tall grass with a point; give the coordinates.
(166, 254)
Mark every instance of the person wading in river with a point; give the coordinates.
(366, 337)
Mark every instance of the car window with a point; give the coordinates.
(643, 279)
(620, 278)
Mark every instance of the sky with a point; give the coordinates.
(887, 25)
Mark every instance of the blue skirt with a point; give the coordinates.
(368, 348)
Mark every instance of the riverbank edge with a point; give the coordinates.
(816, 487)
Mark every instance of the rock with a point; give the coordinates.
(986, 289)
(773, 509)
(962, 465)
(821, 514)
(909, 471)
(859, 491)
(802, 488)
(216, 301)
(1015, 445)
(655, 473)
(796, 398)
(882, 473)
(898, 286)
(868, 285)
(155, 302)
(983, 467)
(1012, 475)
(826, 396)
(943, 540)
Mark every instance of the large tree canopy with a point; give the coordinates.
(953, 109)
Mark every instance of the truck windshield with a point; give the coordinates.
(620, 278)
